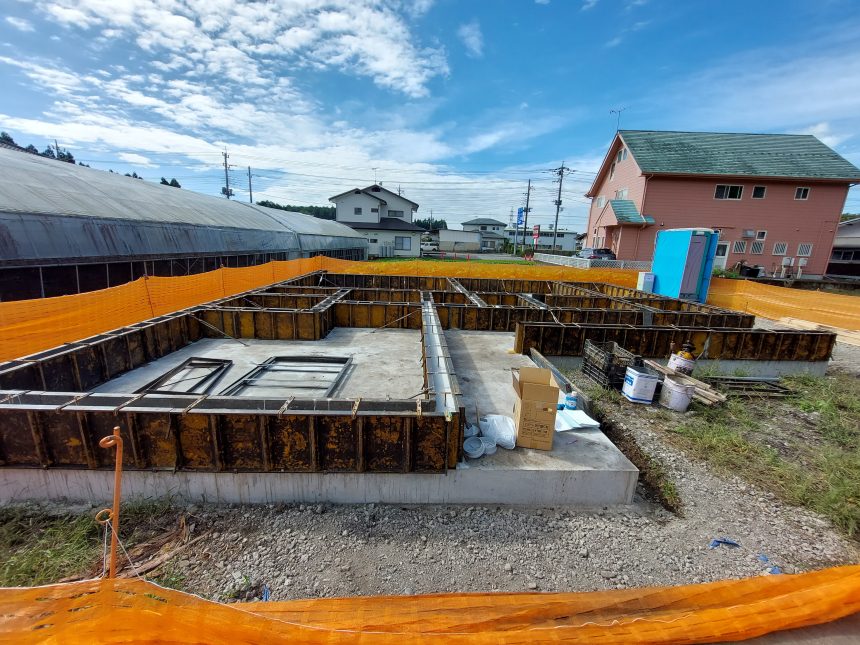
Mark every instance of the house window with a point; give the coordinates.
(395, 213)
(612, 171)
(724, 191)
(621, 194)
(759, 192)
(373, 240)
(844, 256)
(779, 248)
(761, 235)
(804, 249)
(601, 201)
(483, 228)
(740, 246)
(356, 210)
(801, 193)
(559, 235)
(374, 210)
(757, 248)
(402, 243)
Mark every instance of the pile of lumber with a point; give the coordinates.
(703, 393)
(847, 336)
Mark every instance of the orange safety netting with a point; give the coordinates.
(28, 326)
(133, 611)
(779, 302)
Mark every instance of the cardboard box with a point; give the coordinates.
(535, 408)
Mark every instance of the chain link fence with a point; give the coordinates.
(582, 263)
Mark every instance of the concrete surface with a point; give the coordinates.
(386, 363)
(483, 362)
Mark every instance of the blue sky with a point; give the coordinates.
(457, 102)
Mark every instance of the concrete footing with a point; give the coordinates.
(585, 487)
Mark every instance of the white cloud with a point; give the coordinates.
(541, 1)
(368, 38)
(614, 42)
(135, 159)
(588, 4)
(20, 23)
(473, 39)
(773, 91)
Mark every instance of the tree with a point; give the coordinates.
(49, 152)
(175, 183)
(5, 138)
(846, 216)
(164, 182)
(322, 212)
(65, 155)
(430, 223)
(133, 175)
(32, 149)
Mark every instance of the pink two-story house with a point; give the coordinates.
(776, 199)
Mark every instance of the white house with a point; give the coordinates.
(451, 240)
(384, 217)
(845, 256)
(565, 240)
(491, 230)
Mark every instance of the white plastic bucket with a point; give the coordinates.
(680, 364)
(474, 447)
(489, 445)
(639, 386)
(676, 396)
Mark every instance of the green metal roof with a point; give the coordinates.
(752, 155)
(627, 213)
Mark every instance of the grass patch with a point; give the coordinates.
(37, 549)
(818, 468)
(41, 547)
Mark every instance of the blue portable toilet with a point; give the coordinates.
(683, 262)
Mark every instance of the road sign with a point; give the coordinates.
(536, 232)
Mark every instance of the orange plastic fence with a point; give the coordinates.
(779, 302)
(28, 326)
(133, 611)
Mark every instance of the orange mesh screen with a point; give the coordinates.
(132, 611)
(778, 302)
(28, 326)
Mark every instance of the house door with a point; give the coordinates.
(722, 255)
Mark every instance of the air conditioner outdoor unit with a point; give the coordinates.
(749, 233)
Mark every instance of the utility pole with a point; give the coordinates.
(526, 213)
(226, 189)
(57, 148)
(560, 172)
(250, 189)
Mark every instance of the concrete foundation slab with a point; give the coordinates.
(386, 363)
(583, 469)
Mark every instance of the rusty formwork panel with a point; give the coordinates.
(634, 296)
(658, 342)
(221, 434)
(85, 364)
